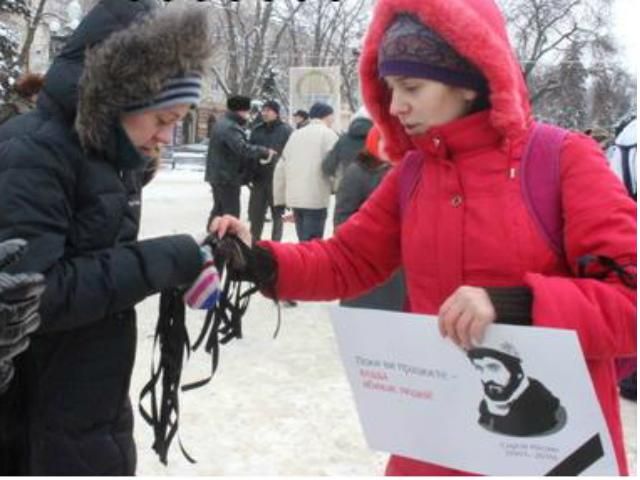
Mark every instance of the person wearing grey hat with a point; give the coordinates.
(72, 181)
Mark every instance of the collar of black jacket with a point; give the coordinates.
(236, 118)
(105, 18)
(122, 153)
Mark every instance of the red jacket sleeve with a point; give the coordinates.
(599, 219)
(364, 252)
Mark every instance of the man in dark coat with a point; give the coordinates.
(514, 404)
(231, 158)
(272, 133)
(70, 185)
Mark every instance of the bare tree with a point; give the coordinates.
(252, 33)
(330, 34)
(263, 40)
(543, 31)
(32, 26)
(565, 99)
(10, 45)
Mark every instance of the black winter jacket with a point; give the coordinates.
(272, 135)
(231, 158)
(68, 412)
(360, 179)
(347, 148)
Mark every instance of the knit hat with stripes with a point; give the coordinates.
(175, 91)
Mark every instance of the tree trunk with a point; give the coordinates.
(23, 59)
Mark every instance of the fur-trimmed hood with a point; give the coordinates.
(133, 64)
(61, 81)
(476, 29)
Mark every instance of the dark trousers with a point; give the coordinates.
(309, 222)
(226, 201)
(261, 198)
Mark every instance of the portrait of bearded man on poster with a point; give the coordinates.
(514, 404)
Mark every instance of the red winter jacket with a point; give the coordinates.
(467, 224)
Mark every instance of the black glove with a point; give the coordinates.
(255, 264)
(513, 305)
(19, 302)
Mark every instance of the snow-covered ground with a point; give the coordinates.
(275, 407)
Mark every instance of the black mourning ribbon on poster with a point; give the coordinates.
(222, 324)
(576, 463)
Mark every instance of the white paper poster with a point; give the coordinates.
(522, 403)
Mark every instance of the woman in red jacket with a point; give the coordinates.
(440, 79)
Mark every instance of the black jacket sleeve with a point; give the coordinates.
(237, 142)
(36, 205)
(331, 161)
(352, 192)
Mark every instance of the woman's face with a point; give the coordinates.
(420, 104)
(149, 130)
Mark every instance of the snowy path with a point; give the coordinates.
(275, 407)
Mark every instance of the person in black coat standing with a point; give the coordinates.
(70, 185)
(231, 158)
(272, 133)
(346, 150)
(361, 178)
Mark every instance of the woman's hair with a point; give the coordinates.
(29, 84)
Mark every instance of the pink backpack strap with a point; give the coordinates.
(408, 177)
(542, 192)
(540, 177)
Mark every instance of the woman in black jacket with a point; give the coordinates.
(70, 184)
(360, 179)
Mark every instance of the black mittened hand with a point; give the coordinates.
(19, 302)
(11, 251)
(255, 264)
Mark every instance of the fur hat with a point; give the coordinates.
(320, 110)
(133, 65)
(239, 103)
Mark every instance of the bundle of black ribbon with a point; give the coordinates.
(234, 261)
